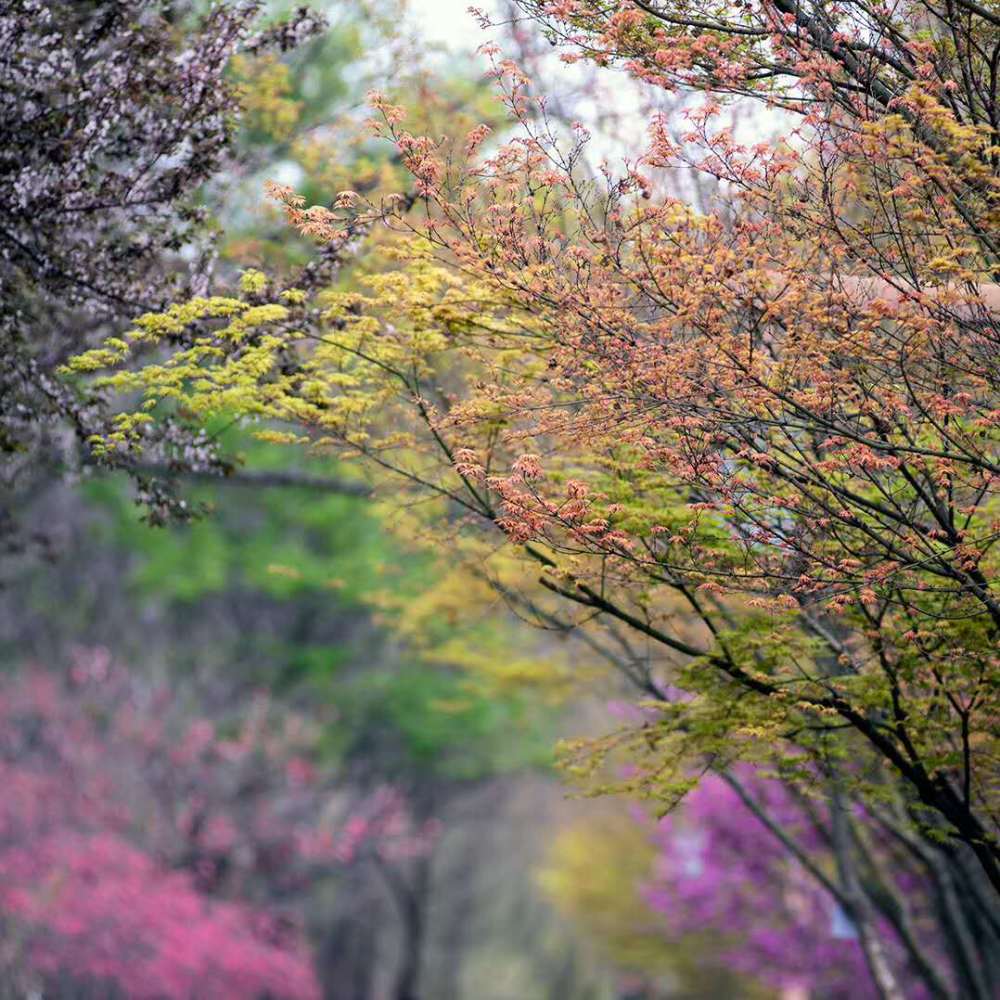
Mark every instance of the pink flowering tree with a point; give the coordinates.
(748, 860)
(143, 853)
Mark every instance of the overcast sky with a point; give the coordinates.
(449, 21)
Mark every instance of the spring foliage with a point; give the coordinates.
(759, 440)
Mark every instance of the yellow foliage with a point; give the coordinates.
(265, 86)
(593, 873)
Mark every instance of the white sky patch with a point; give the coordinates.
(449, 22)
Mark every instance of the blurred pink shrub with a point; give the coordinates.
(141, 849)
(720, 871)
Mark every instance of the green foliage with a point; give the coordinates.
(444, 725)
(286, 543)
(306, 548)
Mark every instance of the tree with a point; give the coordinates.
(153, 850)
(115, 115)
(791, 907)
(82, 898)
(759, 442)
(615, 905)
